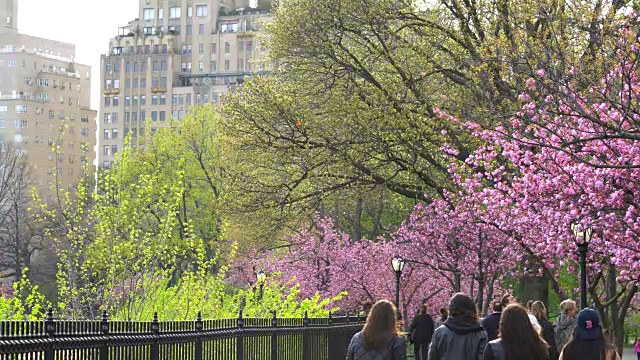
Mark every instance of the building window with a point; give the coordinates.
(163, 65)
(201, 29)
(227, 47)
(116, 101)
(249, 46)
(240, 45)
(127, 101)
(134, 116)
(21, 109)
(114, 133)
(107, 101)
(156, 66)
(201, 66)
(143, 116)
(143, 100)
(162, 115)
(188, 99)
(202, 10)
(227, 65)
(136, 67)
(154, 116)
(144, 66)
(174, 99)
(175, 12)
(116, 84)
(3, 124)
(52, 113)
(189, 29)
(201, 49)
(127, 66)
(135, 100)
(84, 132)
(154, 100)
(160, 13)
(163, 99)
(214, 48)
(114, 118)
(190, 11)
(107, 134)
(163, 82)
(148, 14)
(106, 150)
(127, 83)
(135, 83)
(143, 82)
(126, 116)
(107, 118)
(114, 149)
(20, 124)
(116, 67)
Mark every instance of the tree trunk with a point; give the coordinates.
(534, 288)
(357, 225)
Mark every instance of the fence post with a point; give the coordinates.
(239, 345)
(199, 338)
(50, 328)
(274, 336)
(306, 350)
(155, 328)
(104, 328)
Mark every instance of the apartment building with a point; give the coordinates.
(45, 104)
(176, 54)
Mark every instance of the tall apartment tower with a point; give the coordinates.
(176, 54)
(45, 104)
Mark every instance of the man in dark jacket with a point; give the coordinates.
(491, 323)
(421, 331)
(460, 337)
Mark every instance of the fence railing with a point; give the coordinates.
(221, 339)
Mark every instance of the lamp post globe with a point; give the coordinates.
(583, 238)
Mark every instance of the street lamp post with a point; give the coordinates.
(583, 237)
(397, 263)
(261, 278)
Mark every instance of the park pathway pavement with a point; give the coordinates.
(629, 354)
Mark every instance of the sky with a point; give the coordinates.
(88, 24)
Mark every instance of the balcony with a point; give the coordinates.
(22, 97)
(158, 90)
(111, 91)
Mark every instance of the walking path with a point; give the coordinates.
(629, 355)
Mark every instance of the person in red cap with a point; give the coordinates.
(588, 342)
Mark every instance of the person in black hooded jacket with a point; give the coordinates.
(460, 337)
(421, 331)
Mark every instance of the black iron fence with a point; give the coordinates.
(222, 339)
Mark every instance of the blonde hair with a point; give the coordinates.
(539, 310)
(567, 305)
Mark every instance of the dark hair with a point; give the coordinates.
(444, 312)
(381, 326)
(519, 339)
(422, 309)
(496, 306)
(577, 349)
(462, 305)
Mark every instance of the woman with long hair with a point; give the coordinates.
(540, 312)
(518, 340)
(379, 338)
(588, 342)
(460, 337)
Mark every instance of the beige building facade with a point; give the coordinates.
(45, 104)
(176, 54)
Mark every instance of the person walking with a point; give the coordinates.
(540, 312)
(379, 339)
(421, 330)
(588, 342)
(444, 315)
(460, 337)
(637, 348)
(566, 323)
(518, 340)
(491, 323)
